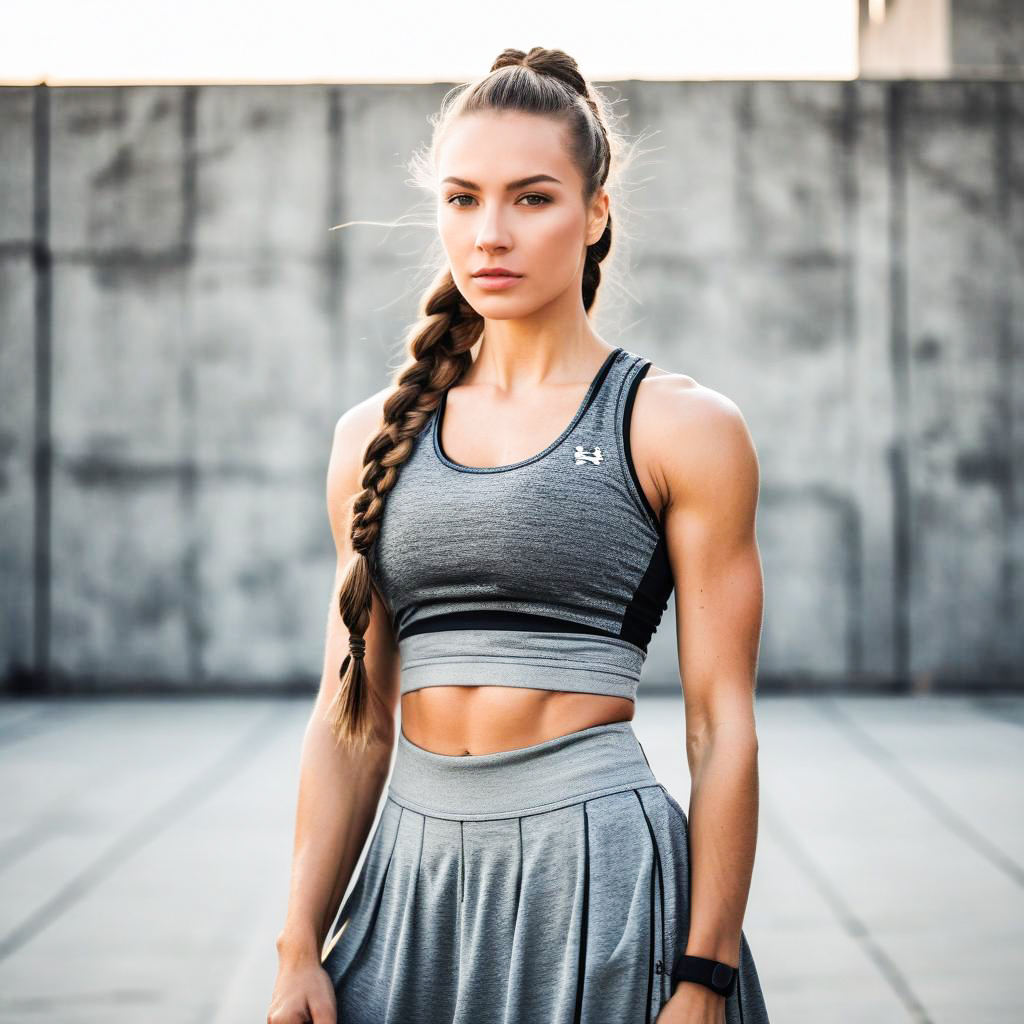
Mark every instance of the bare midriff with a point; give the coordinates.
(488, 719)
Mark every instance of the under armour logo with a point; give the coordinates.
(582, 456)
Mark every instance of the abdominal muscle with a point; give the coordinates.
(487, 719)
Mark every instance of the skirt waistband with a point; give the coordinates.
(578, 766)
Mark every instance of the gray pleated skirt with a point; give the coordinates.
(543, 885)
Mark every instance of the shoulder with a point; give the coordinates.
(697, 438)
(364, 419)
(354, 429)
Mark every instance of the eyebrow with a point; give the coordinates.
(509, 187)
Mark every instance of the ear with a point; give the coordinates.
(597, 216)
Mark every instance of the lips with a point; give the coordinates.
(497, 272)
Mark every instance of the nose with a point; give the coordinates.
(493, 233)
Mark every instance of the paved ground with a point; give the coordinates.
(144, 856)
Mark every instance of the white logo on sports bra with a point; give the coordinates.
(581, 455)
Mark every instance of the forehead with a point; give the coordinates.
(495, 147)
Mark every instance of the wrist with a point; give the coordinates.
(725, 952)
(696, 991)
(298, 946)
(717, 976)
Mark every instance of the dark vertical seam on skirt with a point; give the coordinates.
(519, 879)
(423, 839)
(661, 896)
(462, 860)
(654, 862)
(581, 966)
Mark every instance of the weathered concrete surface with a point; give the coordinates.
(986, 36)
(942, 39)
(146, 847)
(180, 331)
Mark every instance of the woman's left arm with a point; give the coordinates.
(711, 480)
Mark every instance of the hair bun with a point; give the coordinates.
(556, 63)
(509, 59)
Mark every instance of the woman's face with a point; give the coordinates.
(490, 215)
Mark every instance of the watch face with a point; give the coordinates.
(722, 974)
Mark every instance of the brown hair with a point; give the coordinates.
(546, 82)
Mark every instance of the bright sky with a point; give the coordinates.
(70, 42)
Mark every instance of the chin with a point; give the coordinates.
(499, 312)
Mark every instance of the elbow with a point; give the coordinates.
(734, 732)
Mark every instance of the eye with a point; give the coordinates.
(451, 200)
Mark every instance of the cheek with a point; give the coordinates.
(452, 237)
(558, 245)
(455, 228)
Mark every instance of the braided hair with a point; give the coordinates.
(545, 82)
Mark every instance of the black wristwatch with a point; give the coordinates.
(719, 977)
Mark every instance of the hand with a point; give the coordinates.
(303, 992)
(693, 1003)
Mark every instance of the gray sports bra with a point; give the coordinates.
(551, 572)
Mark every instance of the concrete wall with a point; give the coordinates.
(942, 39)
(987, 37)
(179, 332)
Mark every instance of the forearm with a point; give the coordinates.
(338, 798)
(723, 837)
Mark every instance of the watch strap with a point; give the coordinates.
(719, 977)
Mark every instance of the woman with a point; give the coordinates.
(524, 501)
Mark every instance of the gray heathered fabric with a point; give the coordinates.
(491, 877)
(533, 658)
(547, 535)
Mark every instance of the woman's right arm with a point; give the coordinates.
(339, 791)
